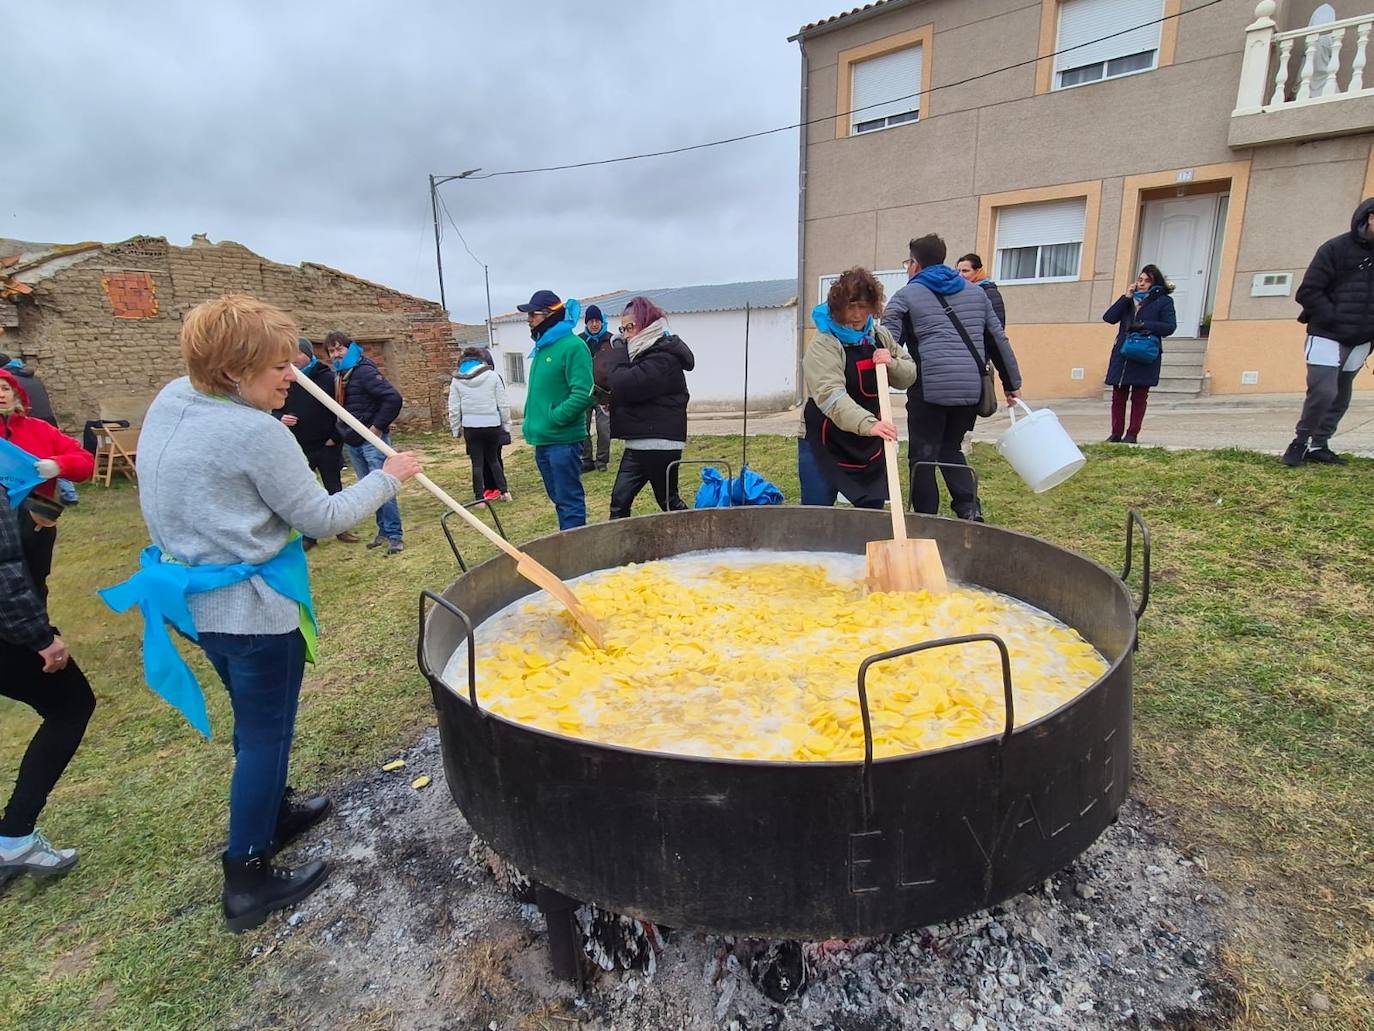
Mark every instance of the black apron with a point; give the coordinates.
(851, 463)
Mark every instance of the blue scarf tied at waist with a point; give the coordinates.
(820, 316)
(572, 311)
(160, 589)
(18, 472)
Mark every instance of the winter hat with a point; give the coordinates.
(307, 348)
(592, 313)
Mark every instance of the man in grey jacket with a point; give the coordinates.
(926, 316)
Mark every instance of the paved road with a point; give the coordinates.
(1260, 422)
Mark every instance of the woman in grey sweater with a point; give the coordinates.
(223, 485)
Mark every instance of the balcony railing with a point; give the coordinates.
(1286, 70)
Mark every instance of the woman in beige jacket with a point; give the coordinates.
(841, 451)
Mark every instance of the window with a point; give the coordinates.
(892, 280)
(1092, 45)
(886, 90)
(515, 368)
(1040, 242)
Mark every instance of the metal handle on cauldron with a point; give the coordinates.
(911, 649)
(472, 646)
(729, 470)
(1132, 518)
(453, 544)
(946, 465)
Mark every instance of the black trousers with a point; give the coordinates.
(937, 435)
(484, 449)
(328, 462)
(65, 702)
(638, 467)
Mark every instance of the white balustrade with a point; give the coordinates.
(1319, 74)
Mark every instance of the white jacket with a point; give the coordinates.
(477, 399)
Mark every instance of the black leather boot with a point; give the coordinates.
(253, 887)
(296, 816)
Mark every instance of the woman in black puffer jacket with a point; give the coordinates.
(1145, 309)
(647, 382)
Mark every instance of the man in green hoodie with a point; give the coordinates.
(557, 397)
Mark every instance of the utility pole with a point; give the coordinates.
(438, 254)
(487, 280)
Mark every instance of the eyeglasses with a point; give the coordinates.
(908, 261)
(625, 327)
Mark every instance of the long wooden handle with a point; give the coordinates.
(894, 481)
(424, 481)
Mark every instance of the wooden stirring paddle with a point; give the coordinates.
(527, 567)
(901, 564)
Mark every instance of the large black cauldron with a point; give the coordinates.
(803, 850)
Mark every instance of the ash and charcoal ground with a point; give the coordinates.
(414, 931)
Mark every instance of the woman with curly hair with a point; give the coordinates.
(842, 449)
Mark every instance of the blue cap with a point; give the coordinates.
(543, 300)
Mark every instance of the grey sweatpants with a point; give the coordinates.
(1328, 397)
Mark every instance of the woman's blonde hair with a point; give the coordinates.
(235, 336)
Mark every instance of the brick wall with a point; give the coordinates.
(102, 333)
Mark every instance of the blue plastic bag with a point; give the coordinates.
(17, 472)
(749, 488)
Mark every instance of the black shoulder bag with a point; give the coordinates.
(987, 400)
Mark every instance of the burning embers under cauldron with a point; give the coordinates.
(803, 851)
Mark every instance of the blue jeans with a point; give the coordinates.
(561, 467)
(262, 673)
(66, 490)
(365, 458)
(815, 488)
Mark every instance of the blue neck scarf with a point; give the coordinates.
(306, 371)
(351, 357)
(160, 589)
(17, 473)
(596, 338)
(572, 311)
(15, 363)
(470, 365)
(1140, 295)
(820, 316)
(940, 278)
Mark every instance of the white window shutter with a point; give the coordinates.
(1047, 222)
(880, 84)
(1083, 24)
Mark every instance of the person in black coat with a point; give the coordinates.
(597, 336)
(1337, 298)
(647, 384)
(970, 266)
(362, 389)
(313, 425)
(1146, 309)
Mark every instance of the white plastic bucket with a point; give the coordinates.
(1039, 449)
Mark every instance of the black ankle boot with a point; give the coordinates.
(253, 887)
(296, 816)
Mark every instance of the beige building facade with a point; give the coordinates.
(1070, 142)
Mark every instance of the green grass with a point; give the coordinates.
(1252, 737)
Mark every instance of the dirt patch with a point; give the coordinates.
(414, 933)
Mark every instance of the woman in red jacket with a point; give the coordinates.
(58, 455)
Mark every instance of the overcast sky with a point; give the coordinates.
(306, 132)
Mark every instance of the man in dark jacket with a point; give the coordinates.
(970, 268)
(40, 672)
(597, 336)
(1337, 298)
(362, 389)
(40, 407)
(313, 425)
(943, 404)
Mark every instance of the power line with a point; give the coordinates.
(444, 207)
(841, 114)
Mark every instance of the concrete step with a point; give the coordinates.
(1185, 345)
(1175, 386)
(1183, 361)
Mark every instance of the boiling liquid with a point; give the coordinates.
(754, 655)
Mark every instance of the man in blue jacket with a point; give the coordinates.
(362, 389)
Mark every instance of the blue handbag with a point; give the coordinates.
(1140, 347)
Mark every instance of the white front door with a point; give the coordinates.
(1176, 235)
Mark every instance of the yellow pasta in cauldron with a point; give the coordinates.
(754, 655)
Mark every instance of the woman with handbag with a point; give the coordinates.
(1144, 315)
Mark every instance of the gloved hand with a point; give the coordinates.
(47, 468)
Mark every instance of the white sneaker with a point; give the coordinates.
(36, 855)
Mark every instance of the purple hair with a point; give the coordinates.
(644, 311)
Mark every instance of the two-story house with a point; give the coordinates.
(1068, 142)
